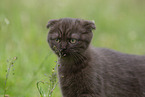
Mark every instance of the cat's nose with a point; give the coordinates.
(62, 49)
(63, 46)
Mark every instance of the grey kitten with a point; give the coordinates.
(86, 71)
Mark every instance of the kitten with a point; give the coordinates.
(86, 71)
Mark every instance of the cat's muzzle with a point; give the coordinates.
(63, 53)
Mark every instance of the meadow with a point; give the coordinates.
(120, 25)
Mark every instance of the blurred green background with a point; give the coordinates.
(120, 25)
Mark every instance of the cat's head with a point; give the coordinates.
(68, 36)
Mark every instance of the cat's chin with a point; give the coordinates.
(63, 55)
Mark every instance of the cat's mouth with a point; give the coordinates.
(63, 54)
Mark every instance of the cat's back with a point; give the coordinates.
(116, 56)
(111, 58)
(120, 72)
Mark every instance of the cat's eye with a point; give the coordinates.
(73, 41)
(57, 40)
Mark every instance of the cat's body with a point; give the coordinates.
(107, 74)
(86, 71)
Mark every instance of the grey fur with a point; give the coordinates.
(86, 71)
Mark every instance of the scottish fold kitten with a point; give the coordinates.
(86, 71)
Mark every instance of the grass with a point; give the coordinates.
(49, 85)
(9, 67)
(120, 26)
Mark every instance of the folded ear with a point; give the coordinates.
(51, 23)
(90, 25)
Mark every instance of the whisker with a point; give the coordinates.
(81, 57)
(75, 58)
(78, 56)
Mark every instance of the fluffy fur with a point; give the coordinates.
(86, 71)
